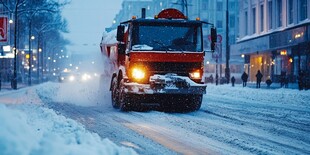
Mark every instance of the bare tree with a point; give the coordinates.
(35, 13)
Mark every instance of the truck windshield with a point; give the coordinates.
(170, 37)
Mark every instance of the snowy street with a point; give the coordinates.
(232, 120)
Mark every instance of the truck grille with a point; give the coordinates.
(172, 67)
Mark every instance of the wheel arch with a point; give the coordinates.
(119, 77)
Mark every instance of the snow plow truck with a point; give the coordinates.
(158, 62)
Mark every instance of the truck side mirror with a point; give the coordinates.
(213, 35)
(213, 38)
(120, 33)
(121, 48)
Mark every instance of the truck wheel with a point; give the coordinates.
(124, 99)
(115, 93)
(194, 102)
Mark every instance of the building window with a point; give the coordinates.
(279, 13)
(204, 5)
(231, 21)
(219, 24)
(246, 22)
(290, 11)
(232, 6)
(219, 5)
(254, 20)
(270, 14)
(261, 18)
(303, 9)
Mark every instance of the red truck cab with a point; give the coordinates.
(159, 62)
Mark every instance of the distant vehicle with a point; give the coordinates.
(68, 77)
(85, 77)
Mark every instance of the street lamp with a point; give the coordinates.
(227, 70)
(30, 59)
(39, 58)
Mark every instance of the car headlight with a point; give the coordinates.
(71, 78)
(138, 74)
(195, 75)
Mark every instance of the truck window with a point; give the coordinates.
(167, 38)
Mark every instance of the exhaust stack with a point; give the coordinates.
(143, 13)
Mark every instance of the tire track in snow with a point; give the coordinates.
(169, 138)
(257, 117)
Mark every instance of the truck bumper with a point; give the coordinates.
(166, 84)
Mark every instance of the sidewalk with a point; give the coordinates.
(263, 85)
(7, 86)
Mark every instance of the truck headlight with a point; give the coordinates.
(138, 73)
(195, 75)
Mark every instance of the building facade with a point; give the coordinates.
(6, 55)
(274, 37)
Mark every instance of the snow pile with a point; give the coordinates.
(270, 96)
(32, 129)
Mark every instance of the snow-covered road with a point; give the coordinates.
(232, 120)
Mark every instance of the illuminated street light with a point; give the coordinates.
(32, 37)
(11, 21)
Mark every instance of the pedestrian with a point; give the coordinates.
(300, 80)
(0, 80)
(282, 78)
(244, 78)
(233, 81)
(268, 82)
(259, 77)
(211, 78)
(286, 82)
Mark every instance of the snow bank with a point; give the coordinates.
(281, 96)
(33, 129)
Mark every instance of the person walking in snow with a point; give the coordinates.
(211, 78)
(300, 80)
(0, 80)
(244, 78)
(268, 82)
(259, 77)
(233, 81)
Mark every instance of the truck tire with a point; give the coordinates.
(125, 101)
(115, 93)
(194, 102)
